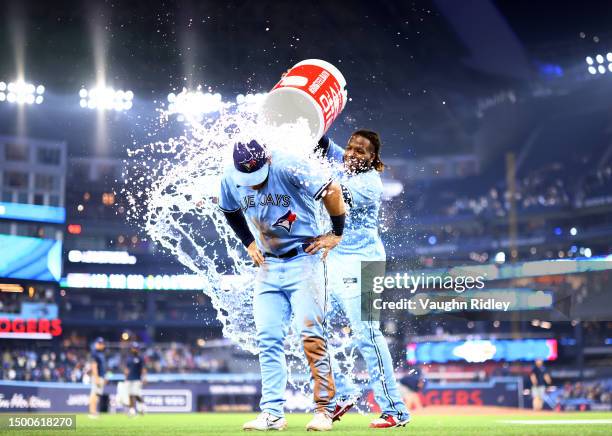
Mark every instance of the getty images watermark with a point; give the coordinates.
(552, 290)
(536, 290)
(398, 291)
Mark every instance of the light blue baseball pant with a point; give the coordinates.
(345, 284)
(283, 286)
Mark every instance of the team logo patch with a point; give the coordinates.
(286, 221)
(249, 164)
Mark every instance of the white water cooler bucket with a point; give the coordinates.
(312, 89)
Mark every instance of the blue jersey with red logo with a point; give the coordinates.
(282, 215)
(363, 196)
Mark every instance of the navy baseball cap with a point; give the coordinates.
(251, 164)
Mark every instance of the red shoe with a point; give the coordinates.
(388, 421)
(343, 406)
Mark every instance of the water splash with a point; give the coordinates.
(172, 189)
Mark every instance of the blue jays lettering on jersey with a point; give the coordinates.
(282, 214)
(363, 195)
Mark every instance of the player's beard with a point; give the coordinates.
(356, 166)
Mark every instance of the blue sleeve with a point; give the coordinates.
(335, 153)
(361, 191)
(309, 178)
(227, 200)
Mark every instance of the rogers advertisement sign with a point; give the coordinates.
(19, 328)
(497, 391)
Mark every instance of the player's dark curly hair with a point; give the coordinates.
(374, 139)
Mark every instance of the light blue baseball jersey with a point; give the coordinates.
(282, 214)
(362, 195)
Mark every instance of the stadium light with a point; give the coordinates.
(596, 64)
(500, 257)
(106, 98)
(193, 105)
(21, 92)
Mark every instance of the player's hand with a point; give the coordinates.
(324, 243)
(255, 254)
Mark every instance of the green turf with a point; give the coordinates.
(353, 424)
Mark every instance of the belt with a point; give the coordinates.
(289, 254)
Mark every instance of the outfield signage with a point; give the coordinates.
(28, 258)
(498, 391)
(231, 396)
(20, 328)
(32, 212)
(482, 350)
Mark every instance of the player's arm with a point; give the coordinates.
(237, 221)
(95, 377)
(548, 379)
(143, 375)
(329, 149)
(534, 379)
(333, 201)
(334, 204)
(318, 184)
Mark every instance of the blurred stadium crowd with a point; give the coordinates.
(71, 364)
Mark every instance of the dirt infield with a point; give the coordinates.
(476, 411)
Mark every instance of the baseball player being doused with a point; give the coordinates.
(271, 203)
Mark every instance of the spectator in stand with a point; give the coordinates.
(70, 364)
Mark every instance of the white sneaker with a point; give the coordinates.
(265, 422)
(320, 422)
(93, 416)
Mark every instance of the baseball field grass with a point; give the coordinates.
(430, 424)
